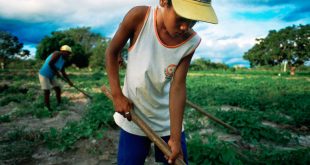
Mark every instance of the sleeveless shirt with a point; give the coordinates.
(46, 70)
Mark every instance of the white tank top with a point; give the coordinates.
(150, 68)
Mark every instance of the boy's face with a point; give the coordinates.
(176, 25)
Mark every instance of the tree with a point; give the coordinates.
(87, 39)
(9, 46)
(24, 53)
(97, 59)
(49, 44)
(290, 44)
(82, 41)
(79, 58)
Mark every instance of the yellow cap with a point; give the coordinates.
(66, 48)
(200, 10)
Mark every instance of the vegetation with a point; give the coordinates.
(88, 47)
(254, 98)
(81, 40)
(290, 44)
(9, 46)
(206, 64)
(247, 102)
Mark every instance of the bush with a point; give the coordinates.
(203, 64)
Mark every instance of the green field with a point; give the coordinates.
(271, 112)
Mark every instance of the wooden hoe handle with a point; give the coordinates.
(87, 95)
(199, 109)
(159, 142)
(80, 90)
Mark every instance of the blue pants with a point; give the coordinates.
(133, 149)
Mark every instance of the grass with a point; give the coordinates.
(263, 95)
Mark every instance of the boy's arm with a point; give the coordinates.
(127, 30)
(176, 105)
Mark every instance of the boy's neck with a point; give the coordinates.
(163, 33)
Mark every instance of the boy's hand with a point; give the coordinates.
(123, 106)
(176, 150)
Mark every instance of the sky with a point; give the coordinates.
(240, 22)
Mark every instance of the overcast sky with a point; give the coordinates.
(240, 21)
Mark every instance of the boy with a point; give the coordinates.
(162, 44)
(51, 67)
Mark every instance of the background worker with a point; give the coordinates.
(54, 65)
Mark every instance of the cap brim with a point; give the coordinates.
(195, 10)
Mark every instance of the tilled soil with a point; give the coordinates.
(85, 151)
(89, 151)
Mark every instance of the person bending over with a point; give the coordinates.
(162, 43)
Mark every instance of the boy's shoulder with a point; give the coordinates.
(134, 19)
(137, 13)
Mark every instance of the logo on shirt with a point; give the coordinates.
(169, 71)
